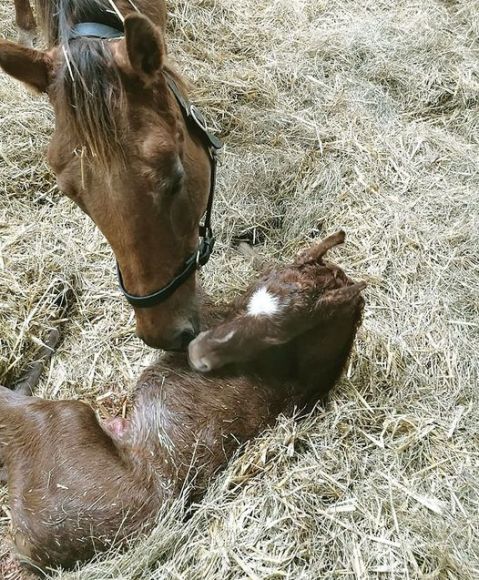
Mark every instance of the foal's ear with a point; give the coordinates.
(144, 45)
(341, 296)
(316, 252)
(30, 66)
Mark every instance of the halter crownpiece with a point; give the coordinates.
(95, 30)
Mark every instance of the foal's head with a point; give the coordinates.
(122, 152)
(286, 303)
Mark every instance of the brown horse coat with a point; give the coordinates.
(122, 149)
(78, 486)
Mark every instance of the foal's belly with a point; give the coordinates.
(200, 421)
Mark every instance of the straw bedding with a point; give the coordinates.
(357, 115)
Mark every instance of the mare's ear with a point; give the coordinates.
(30, 66)
(144, 45)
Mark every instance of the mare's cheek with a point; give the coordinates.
(183, 220)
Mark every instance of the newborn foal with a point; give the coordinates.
(77, 486)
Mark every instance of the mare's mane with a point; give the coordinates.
(87, 86)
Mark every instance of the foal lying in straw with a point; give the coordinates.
(77, 486)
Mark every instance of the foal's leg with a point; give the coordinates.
(25, 22)
(29, 380)
(14, 400)
(31, 375)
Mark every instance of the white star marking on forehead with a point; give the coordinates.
(263, 303)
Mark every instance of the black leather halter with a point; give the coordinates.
(195, 120)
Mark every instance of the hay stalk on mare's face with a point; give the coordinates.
(121, 148)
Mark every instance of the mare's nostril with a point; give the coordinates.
(186, 337)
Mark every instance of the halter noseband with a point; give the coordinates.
(195, 119)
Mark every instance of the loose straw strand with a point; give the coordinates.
(115, 9)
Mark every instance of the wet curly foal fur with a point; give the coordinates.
(77, 485)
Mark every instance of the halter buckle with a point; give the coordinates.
(206, 248)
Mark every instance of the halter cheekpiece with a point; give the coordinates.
(195, 119)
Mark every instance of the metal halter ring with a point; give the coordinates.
(198, 118)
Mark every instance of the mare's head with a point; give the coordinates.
(122, 152)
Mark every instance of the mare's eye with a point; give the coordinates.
(177, 182)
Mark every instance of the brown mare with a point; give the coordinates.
(122, 148)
